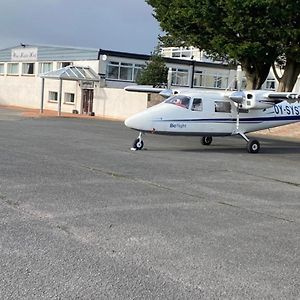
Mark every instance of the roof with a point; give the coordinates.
(72, 73)
(53, 53)
(170, 60)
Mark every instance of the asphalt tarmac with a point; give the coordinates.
(83, 217)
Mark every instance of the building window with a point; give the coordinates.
(180, 77)
(13, 68)
(137, 71)
(28, 68)
(218, 81)
(123, 71)
(1, 69)
(270, 84)
(198, 79)
(113, 70)
(64, 64)
(53, 96)
(69, 98)
(182, 52)
(126, 71)
(45, 67)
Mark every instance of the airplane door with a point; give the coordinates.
(223, 115)
(87, 101)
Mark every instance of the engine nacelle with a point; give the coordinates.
(251, 99)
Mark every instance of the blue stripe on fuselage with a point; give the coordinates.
(234, 120)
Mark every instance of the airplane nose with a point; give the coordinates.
(133, 122)
(138, 122)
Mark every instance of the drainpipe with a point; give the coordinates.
(59, 97)
(42, 96)
(192, 74)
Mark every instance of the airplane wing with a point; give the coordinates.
(143, 89)
(279, 97)
(149, 89)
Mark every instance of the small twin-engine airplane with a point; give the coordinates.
(195, 112)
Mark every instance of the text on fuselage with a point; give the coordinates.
(287, 109)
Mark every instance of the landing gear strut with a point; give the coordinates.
(253, 146)
(138, 143)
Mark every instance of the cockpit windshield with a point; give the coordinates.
(180, 100)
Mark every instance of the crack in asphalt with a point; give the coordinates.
(136, 179)
(269, 178)
(160, 186)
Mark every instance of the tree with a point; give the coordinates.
(287, 20)
(247, 31)
(155, 73)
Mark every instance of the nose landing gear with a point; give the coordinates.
(138, 143)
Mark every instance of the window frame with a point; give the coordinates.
(17, 73)
(180, 77)
(42, 69)
(2, 67)
(64, 64)
(28, 69)
(66, 94)
(123, 71)
(55, 99)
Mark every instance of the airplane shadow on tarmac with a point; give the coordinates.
(267, 146)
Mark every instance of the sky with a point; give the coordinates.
(118, 25)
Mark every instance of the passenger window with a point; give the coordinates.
(197, 104)
(222, 106)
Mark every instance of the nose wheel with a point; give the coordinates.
(138, 143)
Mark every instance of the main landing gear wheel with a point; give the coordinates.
(206, 140)
(138, 144)
(253, 146)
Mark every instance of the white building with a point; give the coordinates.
(100, 90)
(193, 53)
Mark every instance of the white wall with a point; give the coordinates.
(20, 91)
(118, 103)
(25, 91)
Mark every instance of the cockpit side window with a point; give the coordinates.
(180, 100)
(197, 104)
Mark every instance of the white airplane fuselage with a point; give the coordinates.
(211, 120)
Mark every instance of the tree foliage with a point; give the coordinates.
(155, 73)
(251, 32)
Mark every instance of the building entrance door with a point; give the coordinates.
(87, 101)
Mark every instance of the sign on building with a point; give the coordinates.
(24, 54)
